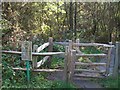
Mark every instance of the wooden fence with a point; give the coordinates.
(117, 60)
(72, 52)
(37, 52)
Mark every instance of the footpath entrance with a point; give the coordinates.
(77, 63)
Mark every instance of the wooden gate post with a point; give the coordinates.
(72, 64)
(27, 56)
(77, 47)
(50, 49)
(66, 64)
(69, 59)
(108, 61)
(117, 57)
(34, 61)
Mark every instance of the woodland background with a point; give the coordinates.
(90, 22)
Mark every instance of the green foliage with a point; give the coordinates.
(31, 21)
(18, 79)
(58, 48)
(110, 82)
(38, 21)
(57, 62)
(61, 84)
(91, 50)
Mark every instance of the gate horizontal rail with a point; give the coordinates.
(33, 53)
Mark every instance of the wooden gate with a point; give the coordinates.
(76, 68)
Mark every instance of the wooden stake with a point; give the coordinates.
(50, 49)
(66, 64)
(108, 61)
(72, 64)
(69, 60)
(34, 61)
(117, 56)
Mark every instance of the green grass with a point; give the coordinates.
(62, 84)
(37, 80)
(109, 82)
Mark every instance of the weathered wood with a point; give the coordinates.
(42, 47)
(39, 70)
(108, 61)
(87, 76)
(47, 53)
(34, 61)
(70, 44)
(34, 53)
(91, 44)
(119, 55)
(50, 49)
(79, 52)
(84, 44)
(11, 52)
(69, 60)
(66, 64)
(86, 70)
(48, 70)
(26, 50)
(62, 43)
(35, 48)
(91, 55)
(41, 62)
(90, 64)
(72, 64)
(77, 47)
(115, 69)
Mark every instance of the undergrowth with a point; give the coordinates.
(18, 79)
(110, 82)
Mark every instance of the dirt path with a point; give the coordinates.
(81, 83)
(84, 82)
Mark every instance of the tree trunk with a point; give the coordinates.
(71, 18)
(75, 22)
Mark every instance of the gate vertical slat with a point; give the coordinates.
(69, 59)
(66, 64)
(108, 61)
(72, 64)
(115, 70)
(50, 49)
(34, 61)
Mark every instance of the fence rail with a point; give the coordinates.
(84, 44)
(90, 64)
(33, 53)
(91, 55)
(71, 54)
(43, 46)
(39, 70)
(72, 62)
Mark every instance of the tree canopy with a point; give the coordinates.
(98, 22)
